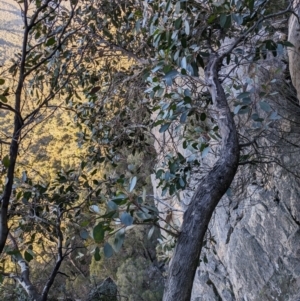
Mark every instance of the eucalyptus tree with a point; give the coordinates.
(190, 50)
(117, 64)
(58, 60)
(215, 36)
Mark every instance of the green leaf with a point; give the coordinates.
(94, 90)
(2, 81)
(6, 161)
(265, 106)
(170, 76)
(274, 116)
(195, 69)
(50, 41)
(84, 223)
(183, 63)
(183, 117)
(28, 256)
(270, 45)
(202, 116)
(160, 92)
(13, 69)
(159, 173)
(95, 209)
(186, 27)
(132, 183)
(211, 19)
(228, 22)
(108, 250)
(287, 44)
(97, 254)
(27, 195)
(112, 205)
(228, 59)
(256, 117)
(205, 152)
(172, 189)
(177, 23)
(243, 95)
(98, 233)
(184, 42)
(24, 176)
(177, 7)
(110, 214)
(3, 98)
(247, 100)
(200, 61)
(138, 26)
(151, 231)
(238, 18)
(223, 19)
(236, 109)
(84, 234)
(164, 127)
(83, 164)
(168, 6)
(120, 199)
(251, 5)
(119, 239)
(126, 219)
(19, 194)
(244, 110)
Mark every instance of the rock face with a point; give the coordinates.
(10, 25)
(255, 251)
(106, 291)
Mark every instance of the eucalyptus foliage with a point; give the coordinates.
(125, 68)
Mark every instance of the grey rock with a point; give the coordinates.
(106, 291)
(256, 253)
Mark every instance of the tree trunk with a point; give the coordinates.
(207, 196)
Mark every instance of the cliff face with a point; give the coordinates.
(253, 244)
(256, 254)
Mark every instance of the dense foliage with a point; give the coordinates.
(121, 72)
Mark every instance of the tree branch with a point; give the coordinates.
(24, 279)
(60, 256)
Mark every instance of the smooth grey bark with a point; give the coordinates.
(24, 277)
(24, 280)
(186, 257)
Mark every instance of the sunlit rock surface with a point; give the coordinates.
(10, 29)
